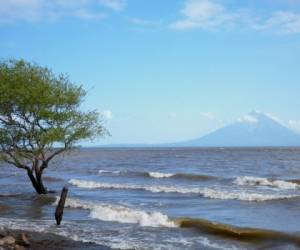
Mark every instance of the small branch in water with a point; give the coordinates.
(61, 205)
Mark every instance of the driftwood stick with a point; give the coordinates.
(61, 205)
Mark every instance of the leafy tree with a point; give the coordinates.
(40, 117)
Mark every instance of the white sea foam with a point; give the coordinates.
(168, 244)
(253, 181)
(243, 196)
(160, 175)
(205, 192)
(153, 189)
(103, 171)
(122, 241)
(121, 214)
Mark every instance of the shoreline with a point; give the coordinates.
(45, 241)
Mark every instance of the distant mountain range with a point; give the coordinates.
(253, 130)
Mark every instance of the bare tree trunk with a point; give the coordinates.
(37, 181)
(39, 178)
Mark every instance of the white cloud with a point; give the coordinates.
(204, 14)
(207, 115)
(284, 22)
(271, 116)
(107, 114)
(248, 119)
(27, 10)
(213, 15)
(117, 5)
(254, 116)
(294, 125)
(36, 10)
(275, 118)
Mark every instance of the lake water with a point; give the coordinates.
(214, 198)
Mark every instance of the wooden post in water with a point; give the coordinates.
(61, 205)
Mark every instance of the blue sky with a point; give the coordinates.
(165, 70)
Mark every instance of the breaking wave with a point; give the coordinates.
(103, 171)
(121, 214)
(158, 175)
(274, 239)
(205, 192)
(180, 176)
(253, 181)
(229, 231)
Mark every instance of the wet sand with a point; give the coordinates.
(48, 241)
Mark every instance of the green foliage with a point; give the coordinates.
(40, 115)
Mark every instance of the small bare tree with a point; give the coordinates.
(40, 117)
